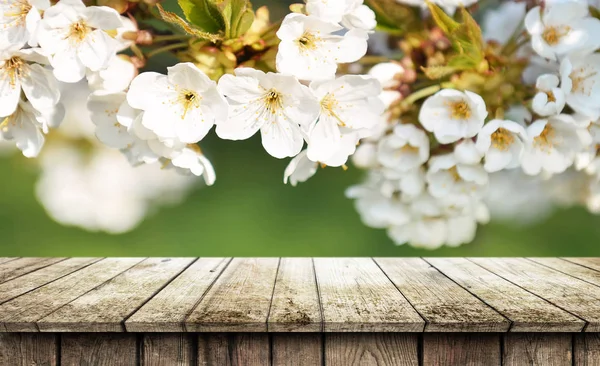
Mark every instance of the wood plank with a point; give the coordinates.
(239, 300)
(169, 349)
(105, 308)
(571, 269)
(18, 286)
(295, 306)
(461, 349)
(356, 296)
(371, 349)
(292, 349)
(7, 259)
(538, 349)
(593, 263)
(446, 306)
(20, 314)
(571, 294)
(98, 349)
(21, 266)
(22, 349)
(586, 349)
(528, 313)
(233, 349)
(167, 310)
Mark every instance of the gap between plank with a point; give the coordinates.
(566, 273)
(407, 300)
(586, 323)
(187, 315)
(272, 294)
(85, 293)
(312, 260)
(47, 283)
(154, 294)
(511, 323)
(35, 270)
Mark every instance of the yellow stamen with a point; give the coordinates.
(328, 105)
(544, 140)
(14, 68)
(460, 110)
(78, 31)
(502, 139)
(553, 34)
(189, 100)
(454, 172)
(273, 101)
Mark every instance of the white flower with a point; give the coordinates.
(451, 115)
(377, 210)
(127, 26)
(310, 50)
(365, 156)
(190, 159)
(300, 169)
(27, 126)
(19, 20)
(350, 13)
(20, 70)
(348, 103)
(386, 73)
(556, 141)
(116, 77)
(99, 190)
(580, 81)
(405, 149)
(465, 152)
(275, 104)
(501, 143)
(562, 28)
(447, 178)
(499, 24)
(433, 232)
(410, 183)
(183, 105)
(74, 35)
(103, 112)
(550, 100)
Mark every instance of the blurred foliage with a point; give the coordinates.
(250, 212)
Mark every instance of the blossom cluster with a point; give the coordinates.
(431, 176)
(441, 113)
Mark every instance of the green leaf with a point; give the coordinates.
(438, 72)
(442, 20)
(189, 29)
(203, 14)
(393, 17)
(238, 16)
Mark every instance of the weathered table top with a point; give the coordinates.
(299, 294)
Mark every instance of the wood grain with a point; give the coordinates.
(7, 259)
(292, 349)
(21, 349)
(21, 314)
(571, 269)
(586, 349)
(169, 349)
(528, 313)
(18, 286)
(295, 304)
(166, 312)
(239, 300)
(371, 349)
(571, 294)
(548, 349)
(104, 309)
(593, 263)
(357, 297)
(461, 349)
(233, 349)
(85, 349)
(446, 306)
(21, 266)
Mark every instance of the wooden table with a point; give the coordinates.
(299, 311)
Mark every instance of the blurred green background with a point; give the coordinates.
(250, 212)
